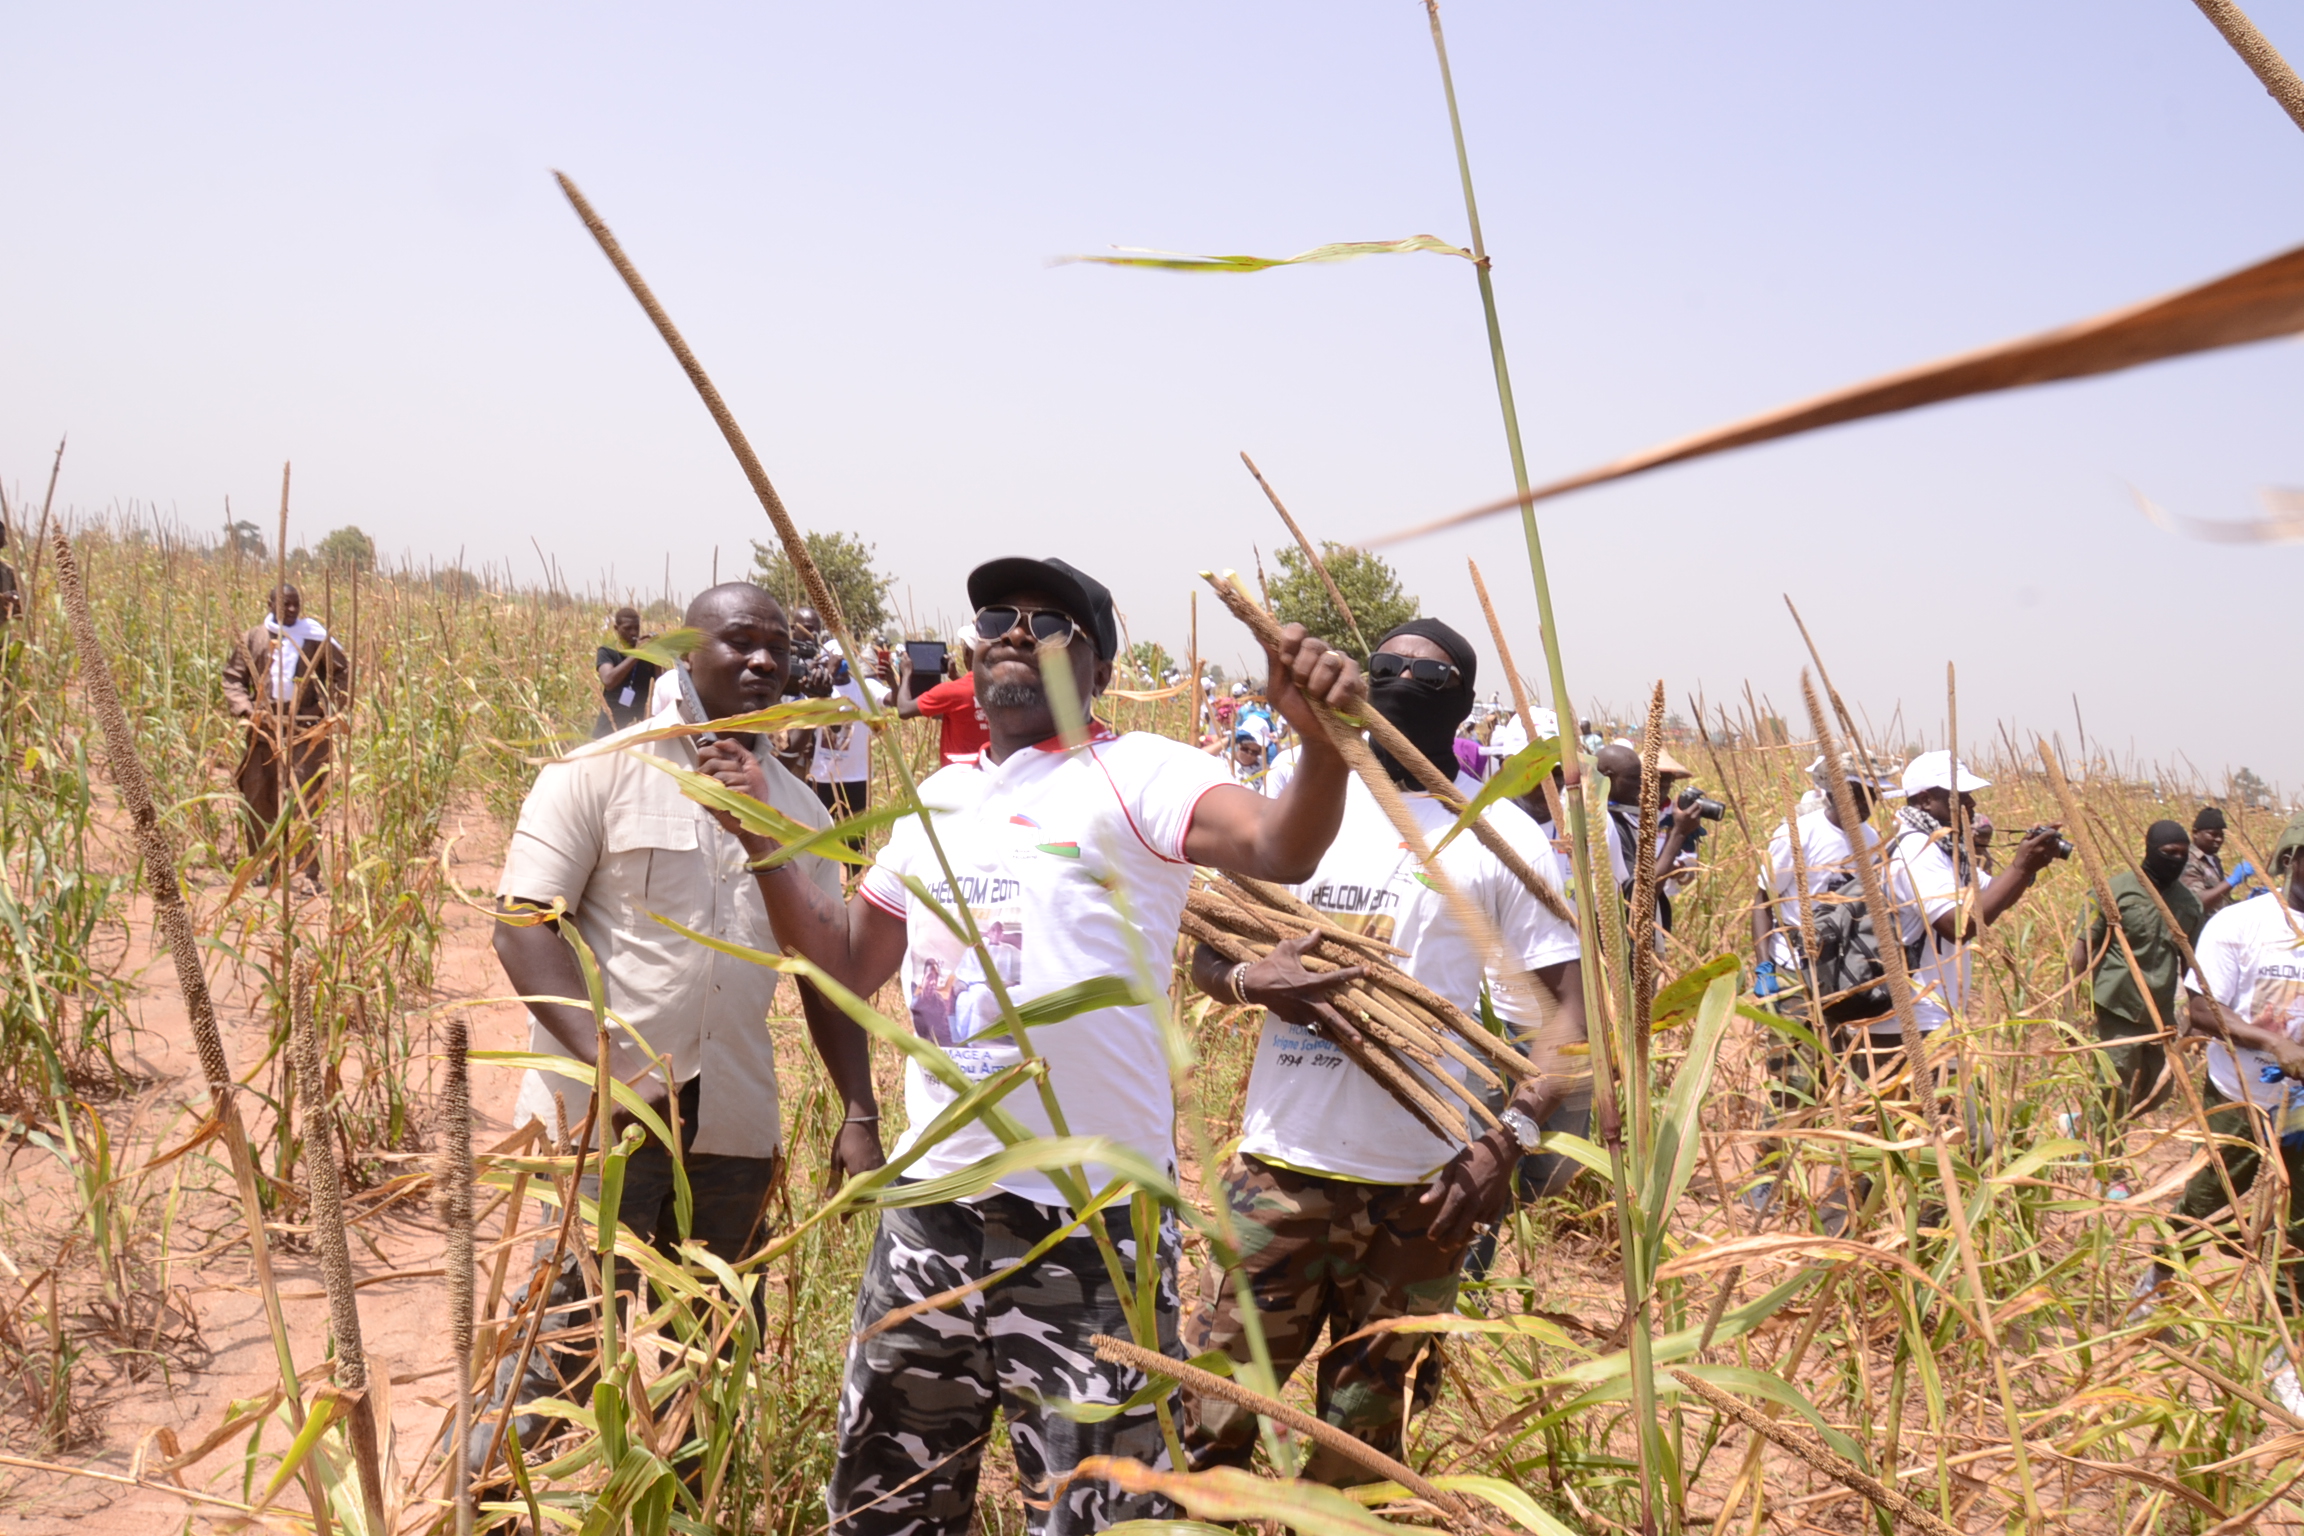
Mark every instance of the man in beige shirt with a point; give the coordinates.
(609, 835)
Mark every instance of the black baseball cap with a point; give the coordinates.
(1081, 595)
(2209, 819)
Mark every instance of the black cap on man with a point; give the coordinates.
(1081, 595)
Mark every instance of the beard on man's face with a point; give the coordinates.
(1029, 695)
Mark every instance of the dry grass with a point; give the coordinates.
(461, 686)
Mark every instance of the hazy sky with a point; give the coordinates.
(241, 234)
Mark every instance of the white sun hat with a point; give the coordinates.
(1936, 770)
(1856, 770)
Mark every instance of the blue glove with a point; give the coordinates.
(2240, 873)
(1764, 980)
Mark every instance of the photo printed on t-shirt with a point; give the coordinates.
(952, 1001)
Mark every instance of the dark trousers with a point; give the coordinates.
(2138, 1074)
(728, 1210)
(916, 1407)
(844, 800)
(1322, 1254)
(266, 793)
(2204, 1215)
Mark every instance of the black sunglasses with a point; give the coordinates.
(1048, 626)
(1440, 674)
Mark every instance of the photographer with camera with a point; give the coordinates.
(1941, 896)
(945, 694)
(1679, 825)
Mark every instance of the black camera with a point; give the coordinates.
(2060, 849)
(804, 648)
(1692, 799)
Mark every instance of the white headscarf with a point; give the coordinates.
(288, 659)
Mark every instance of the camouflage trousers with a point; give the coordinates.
(1323, 1253)
(916, 1407)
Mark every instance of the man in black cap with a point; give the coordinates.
(2204, 870)
(2136, 1007)
(1353, 1209)
(1072, 866)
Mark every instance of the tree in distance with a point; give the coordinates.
(1368, 583)
(348, 547)
(244, 539)
(846, 562)
(1151, 660)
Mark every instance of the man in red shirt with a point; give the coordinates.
(952, 704)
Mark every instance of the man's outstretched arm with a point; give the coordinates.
(1282, 839)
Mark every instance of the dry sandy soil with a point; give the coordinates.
(402, 1303)
(222, 1350)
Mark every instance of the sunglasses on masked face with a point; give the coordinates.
(1047, 626)
(1384, 665)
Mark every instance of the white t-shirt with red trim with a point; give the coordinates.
(1040, 843)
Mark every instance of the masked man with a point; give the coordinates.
(2138, 1070)
(1350, 1209)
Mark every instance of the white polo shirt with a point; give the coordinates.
(616, 840)
(1312, 1109)
(1040, 843)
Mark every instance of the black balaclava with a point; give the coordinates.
(2163, 868)
(1426, 715)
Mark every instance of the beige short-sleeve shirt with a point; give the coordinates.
(615, 839)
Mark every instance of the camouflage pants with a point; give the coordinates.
(916, 1408)
(1322, 1253)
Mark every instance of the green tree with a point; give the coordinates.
(348, 546)
(244, 539)
(1150, 659)
(1368, 583)
(846, 563)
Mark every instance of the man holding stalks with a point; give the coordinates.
(1352, 1208)
(1073, 864)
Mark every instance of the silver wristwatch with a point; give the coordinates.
(1525, 1131)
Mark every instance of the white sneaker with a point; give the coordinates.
(2287, 1391)
(2144, 1294)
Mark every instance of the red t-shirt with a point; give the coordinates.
(952, 704)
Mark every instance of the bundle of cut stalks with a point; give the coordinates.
(1393, 1027)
